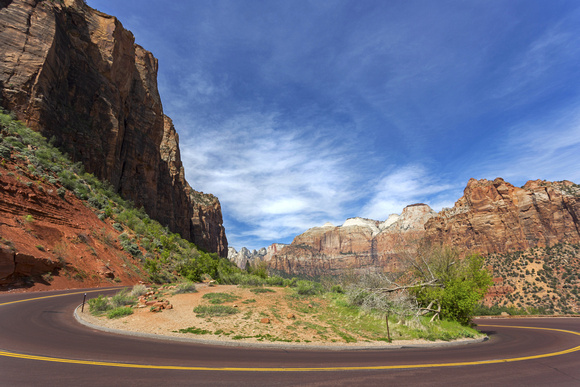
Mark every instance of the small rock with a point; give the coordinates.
(156, 309)
(504, 314)
(169, 306)
(309, 305)
(235, 306)
(265, 320)
(291, 316)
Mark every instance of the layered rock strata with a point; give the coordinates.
(77, 76)
(491, 217)
(359, 245)
(496, 217)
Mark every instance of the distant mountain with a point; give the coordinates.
(491, 217)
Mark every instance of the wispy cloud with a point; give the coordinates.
(537, 70)
(276, 180)
(408, 185)
(543, 148)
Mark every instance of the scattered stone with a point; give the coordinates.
(265, 320)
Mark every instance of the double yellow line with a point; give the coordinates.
(287, 369)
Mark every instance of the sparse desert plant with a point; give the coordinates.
(60, 250)
(220, 298)
(138, 290)
(308, 288)
(214, 310)
(194, 330)
(185, 287)
(99, 305)
(122, 298)
(262, 290)
(119, 312)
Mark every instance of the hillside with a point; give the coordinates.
(61, 227)
(76, 75)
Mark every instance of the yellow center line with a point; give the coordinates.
(288, 369)
(57, 295)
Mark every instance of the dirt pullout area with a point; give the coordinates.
(274, 315)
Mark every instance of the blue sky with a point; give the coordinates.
(297, 113)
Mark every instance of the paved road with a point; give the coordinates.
(36, 335)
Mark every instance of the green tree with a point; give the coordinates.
(454, 284)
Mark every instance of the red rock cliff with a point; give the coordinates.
(76, 75)
(359, 244)
(496, 217)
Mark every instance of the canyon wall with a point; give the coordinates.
(76, 75)
(491, 217)
(496, 217)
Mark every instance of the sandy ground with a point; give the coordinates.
(272, 317)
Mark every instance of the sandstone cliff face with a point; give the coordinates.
(491, 217)
(496, 217)
(359, 244)
(77, 76)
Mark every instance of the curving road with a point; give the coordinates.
(42, 344)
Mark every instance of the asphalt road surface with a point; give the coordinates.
(41, 344)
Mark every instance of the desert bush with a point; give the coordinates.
(120, 311)
(99, 305)
(220, 298)
(308, 288)
(122, 298)
(138, 290)
(214, 310)
(185, 287)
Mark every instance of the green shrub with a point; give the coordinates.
(308, 288)
(220, 298)
(4, 152)
(119, 312)
(99, 305)
(262, 290)
(122, 298)
(194, 330)
(337, 289)
(185, 287)
(214, 310)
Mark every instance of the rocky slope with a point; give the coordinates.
(496, 217)
(54, 241)
(491, 217)
(77, 76)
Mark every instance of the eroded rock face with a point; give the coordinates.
(359, 244)
(491, 217)
(496, 217)
(77, 76)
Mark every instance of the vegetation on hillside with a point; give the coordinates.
(163, 254)
(543, 280)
